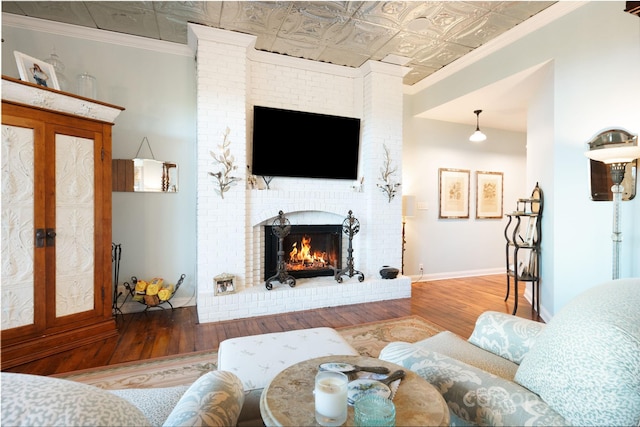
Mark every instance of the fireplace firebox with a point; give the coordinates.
(309, 251)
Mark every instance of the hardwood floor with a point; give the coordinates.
(452, 304)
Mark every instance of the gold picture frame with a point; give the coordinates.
(489, 195)
(453, 193)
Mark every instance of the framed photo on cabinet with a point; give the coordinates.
(35, 71)
(454, 193)
(489, 194)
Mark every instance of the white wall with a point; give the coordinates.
(458, 247)
(594, 55)
(154, 82)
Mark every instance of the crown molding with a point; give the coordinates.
(94, 34)
(547, 16)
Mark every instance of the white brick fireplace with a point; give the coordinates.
(232, 77)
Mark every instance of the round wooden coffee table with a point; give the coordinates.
(288, 399)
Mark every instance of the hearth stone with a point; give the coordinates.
(316, 292)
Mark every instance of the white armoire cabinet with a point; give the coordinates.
(56, 282)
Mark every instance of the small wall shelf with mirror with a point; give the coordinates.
(523, 234)
(143, 174)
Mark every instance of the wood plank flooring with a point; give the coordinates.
(452, 304)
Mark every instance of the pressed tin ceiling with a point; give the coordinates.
(424, 36)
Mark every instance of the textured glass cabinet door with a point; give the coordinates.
(17, 277)
(48, 218)
(74, 224)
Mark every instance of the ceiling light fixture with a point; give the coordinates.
(477, 136)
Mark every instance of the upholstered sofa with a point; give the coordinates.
(215, 399)
(582, 368)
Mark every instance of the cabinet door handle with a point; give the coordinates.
(39, 238)
(51, 237)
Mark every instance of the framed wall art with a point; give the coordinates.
(454, 193)
(35, 71)
(489, 194)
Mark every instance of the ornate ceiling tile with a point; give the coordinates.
(482, 30)
(69, 12)
(137, 18)
(298, 49)
(440, 55)
(257, 18)
(200, 11)
(362, 37)
(343, 57)
(417, 73)
(431, 33)
(406, 44)
(521, 10)
(393, 14)
(173, 18)
(452, 17)
(311, 23)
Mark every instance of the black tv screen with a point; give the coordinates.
(304, 145)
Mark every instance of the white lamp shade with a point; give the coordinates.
(477, 136)
(408, 205)
(610, 155)
(613, 146)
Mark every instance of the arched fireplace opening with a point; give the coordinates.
(309, 251)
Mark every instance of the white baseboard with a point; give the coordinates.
(544, 313)
(458, 274)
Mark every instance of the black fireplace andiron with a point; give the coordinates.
(281, 228)
(350, 227)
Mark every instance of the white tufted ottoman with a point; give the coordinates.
(256, 359)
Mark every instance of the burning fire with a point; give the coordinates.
(304, 257)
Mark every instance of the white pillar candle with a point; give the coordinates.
(331, 398)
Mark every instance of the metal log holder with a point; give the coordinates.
(131, 287)
(350, 227)
(281, 228)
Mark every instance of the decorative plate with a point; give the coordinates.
(337, 367)
(363, 387)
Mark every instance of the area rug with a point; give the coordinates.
(368, 339)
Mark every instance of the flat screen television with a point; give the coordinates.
(299, 144)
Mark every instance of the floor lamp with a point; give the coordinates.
(616, 148)
(408, 209)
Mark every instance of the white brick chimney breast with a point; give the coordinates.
(232, 77)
